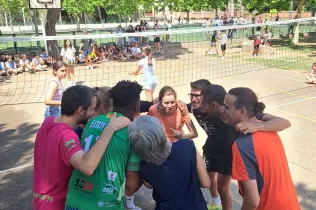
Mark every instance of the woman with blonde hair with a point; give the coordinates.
(55, 91)
(147, 65)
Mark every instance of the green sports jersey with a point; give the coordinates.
(105, 189)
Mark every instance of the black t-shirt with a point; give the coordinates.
(220, 136)
(144, 106)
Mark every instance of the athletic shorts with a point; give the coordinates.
(219, 164)
(157, 40)
(223, 46)
(212, 44)
(149, 83)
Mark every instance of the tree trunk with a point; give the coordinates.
(296, 29)
(51, 20)
(188, 16)
(299, 8)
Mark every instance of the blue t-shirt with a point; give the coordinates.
(175, 182)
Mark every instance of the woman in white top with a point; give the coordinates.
(148, 82)
(55, 90)
(68, 56)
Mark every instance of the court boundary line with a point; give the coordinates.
(273, 75)
(16, 168)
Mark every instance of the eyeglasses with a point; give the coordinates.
(191, 95)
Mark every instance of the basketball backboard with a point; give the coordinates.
(44, 4)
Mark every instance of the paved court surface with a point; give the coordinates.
(284, 93)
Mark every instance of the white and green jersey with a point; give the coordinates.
(105, 188)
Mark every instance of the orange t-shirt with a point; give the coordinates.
(260, 156)
(175, 121)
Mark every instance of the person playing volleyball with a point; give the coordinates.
(149, 82)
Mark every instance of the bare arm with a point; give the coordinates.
(204, 179)
(136, 71)
(251, 196)
(133, 182)
(52, 87)
(270, 123)
(147, 185)
(88, 162)
(192, 131)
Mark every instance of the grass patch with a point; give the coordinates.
(285, 64)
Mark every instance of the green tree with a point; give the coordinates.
(263, 6)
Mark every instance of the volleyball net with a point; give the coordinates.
(185, 55)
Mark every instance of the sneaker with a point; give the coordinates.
(222, 57)
(87, 67)
(91, 67)
(213, 207)
(74, 83)
(105, 60)
(134, 208)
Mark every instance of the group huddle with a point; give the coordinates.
(101, 150)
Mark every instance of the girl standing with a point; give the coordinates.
(55, 91)
(157, 40)
(68, 56)
(149, 82)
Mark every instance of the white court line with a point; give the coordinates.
(16, 168)
(293, 102)
(287, 78)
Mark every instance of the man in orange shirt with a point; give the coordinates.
(259, 161)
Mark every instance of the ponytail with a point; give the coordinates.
(147, 51)
(259, 107)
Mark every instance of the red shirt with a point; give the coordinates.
(54, 145)
(260, 156)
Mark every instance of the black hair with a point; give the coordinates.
(75, 97)
(200, 84)
(246, 98)
(214, 93)
(125, 94)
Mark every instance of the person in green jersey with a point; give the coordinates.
(119, 166)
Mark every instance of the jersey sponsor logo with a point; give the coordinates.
(106, 204)
(112, 175)
(98, 124)
(68, 207)
(84, 186)
(70, 144)
(43, 197)
(109, 189)
(109, 115)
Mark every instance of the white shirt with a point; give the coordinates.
(218, 22)
(207, 23)
(69, 53)
(22, 62)
(135, 50)
(224, 39)
(148, 70)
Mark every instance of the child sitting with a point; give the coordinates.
(11, 66)
(81, 57)
(136, 52)
(311, 79)
(25, 64)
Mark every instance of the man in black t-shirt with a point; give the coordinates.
(217, 149)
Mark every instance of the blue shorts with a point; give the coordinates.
(86, 53)
(54, 111)
(149, 83)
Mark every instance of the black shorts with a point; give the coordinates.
(223, 46)
(157, 39)
(221, 165)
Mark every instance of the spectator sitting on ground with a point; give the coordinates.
(11, 66)
(81, 57)
(38, 64)
(25, 64)
(95, 54)
(47, 59)
(311, 79)
(3, 69)
(137, 52)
